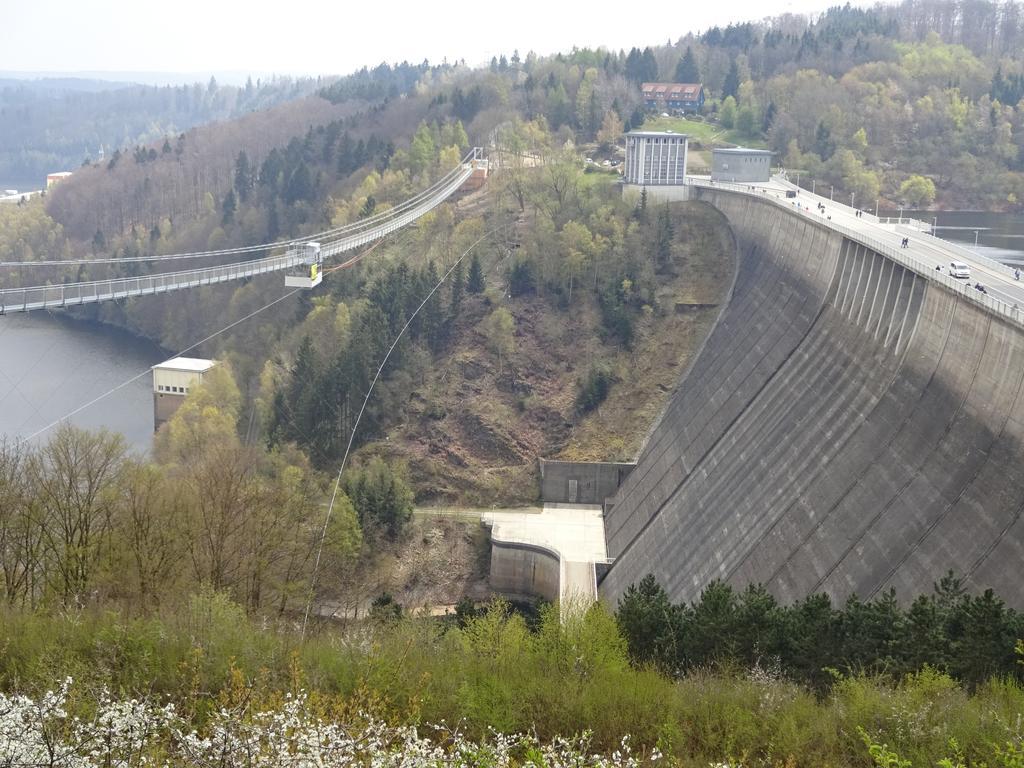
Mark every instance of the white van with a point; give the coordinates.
(959, 269)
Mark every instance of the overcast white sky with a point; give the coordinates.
(338, 36)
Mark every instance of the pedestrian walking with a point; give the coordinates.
(1016, 274)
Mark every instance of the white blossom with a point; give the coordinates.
(123, 734)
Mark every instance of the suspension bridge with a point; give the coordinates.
(296, 254)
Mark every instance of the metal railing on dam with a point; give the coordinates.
(850, 425)
(333, 242)
(1011, 311)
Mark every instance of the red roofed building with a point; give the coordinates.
(677, 97)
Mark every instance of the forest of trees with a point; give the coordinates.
(970, 637)
(183, 574)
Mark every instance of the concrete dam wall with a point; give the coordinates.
(849, 426)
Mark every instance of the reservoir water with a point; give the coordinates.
(999, 236)
(51, 366)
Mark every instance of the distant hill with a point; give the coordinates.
(53, 124)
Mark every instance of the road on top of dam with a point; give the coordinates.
(998, 279)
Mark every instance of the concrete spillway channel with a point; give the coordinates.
(851, 425)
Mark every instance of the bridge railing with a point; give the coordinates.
(441, 188)
(1010, 311)
(72, 294)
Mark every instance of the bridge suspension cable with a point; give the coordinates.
(335, 233)
(340, 239)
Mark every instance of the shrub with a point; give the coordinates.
(593, 389)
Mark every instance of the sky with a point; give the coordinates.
(339, 36)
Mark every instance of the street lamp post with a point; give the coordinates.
(876, 207)
(831, 191)
(901, 214)
(851, 198)
(812, 185)
(975, 238)
(935, 223)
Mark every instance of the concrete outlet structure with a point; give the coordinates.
(550, 554)
(172, 381)
(581, 482)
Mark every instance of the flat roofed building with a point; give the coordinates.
(741, 165)
(677, 97)
(56, 178)
(172, 380)
(656, 158)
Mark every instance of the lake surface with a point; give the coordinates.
(51, 366)
(1000, 236)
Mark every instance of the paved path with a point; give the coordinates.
(997, 278)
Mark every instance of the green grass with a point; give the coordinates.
(709, 134)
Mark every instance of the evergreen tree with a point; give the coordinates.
(302, 393)
(640, 212)
(687, 70)
(663, 235)
(300, 185)
(731, 86)
(229, 207)
(476, 283)
(381, 497)
(243, 176)
(458, 280)
(636, 120)
(650, 624)
(649, 66)
(432, 314)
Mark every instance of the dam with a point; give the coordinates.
(853, 423)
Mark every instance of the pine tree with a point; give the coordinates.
(229, 207)
(458, 288)
(432, 314)
(476, 283)
(663, 238)
(731, 86)
(650, 624)
(302, 393)
(687, 70)
(243, 176)
(300, 184)
(640, 212)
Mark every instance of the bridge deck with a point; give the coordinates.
(73, 294)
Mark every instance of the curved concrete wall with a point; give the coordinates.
(849, 426)
(525, 569)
